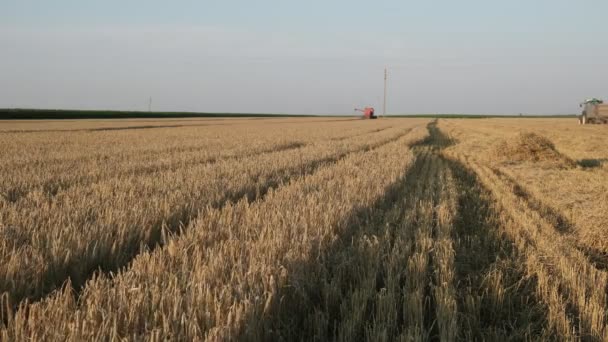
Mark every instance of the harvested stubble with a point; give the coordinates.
(574, 199)
(569, 281)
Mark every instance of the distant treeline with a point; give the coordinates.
(32, 114)
(483, 116)
(39, 114)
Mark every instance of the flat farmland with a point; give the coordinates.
(303, 229)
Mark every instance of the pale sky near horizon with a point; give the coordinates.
(271, 56)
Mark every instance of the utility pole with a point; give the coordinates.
(150, 104)
(385, 83)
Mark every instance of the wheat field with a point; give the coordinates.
(305, 229)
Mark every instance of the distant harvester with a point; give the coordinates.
(594, 112)
(368, 112)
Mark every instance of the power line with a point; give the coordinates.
(385, 87)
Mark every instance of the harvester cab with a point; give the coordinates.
(594, 111)
(368, 112)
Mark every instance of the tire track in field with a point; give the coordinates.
(470, 307)
(378, 130)
(174, 225)
(338, 302)
(407, 268)
(365, 287)
(560, 223)
(139, 153)
(53, 187)
(101, 129)
(571, 282)
(570, 290)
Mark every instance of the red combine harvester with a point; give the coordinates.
(368, 112)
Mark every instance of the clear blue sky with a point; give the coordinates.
(304, 56)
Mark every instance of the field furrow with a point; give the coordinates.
(54, 181)
(61, 148)
(53, 175)
(566, 282)
(496, 299)
(377, 130)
